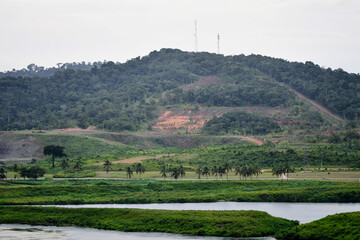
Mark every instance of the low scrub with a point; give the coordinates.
(207, 223)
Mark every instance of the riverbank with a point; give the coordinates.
(207, 223)
(150, 191)
(344, 226)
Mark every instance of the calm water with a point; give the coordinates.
(21, 232)
(303, 212)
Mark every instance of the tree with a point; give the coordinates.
(175, 173)
(163, 171)
(206, 172)
(244, 171)
(277, 170)
(221, 171)
(78, 165)
(238, 171)
(129, 172)
(2, 173)
(227, 168)
(182, 171)
(54, 151)
(64, 164)
(287, 169)
(198, 171)
(23, 172)
(214, 171)
(35, 172)
(16, 170)
(139, 168)
(107, 166)
(257, 170)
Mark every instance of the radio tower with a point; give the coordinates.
(218, 43)
(195, 35)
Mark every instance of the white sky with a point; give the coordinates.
(46, 32)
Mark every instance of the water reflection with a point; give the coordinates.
(20, 232)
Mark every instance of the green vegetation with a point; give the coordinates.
(130, 96)
(150, 191)
(344, 226)
(204, 223)
(240, 123)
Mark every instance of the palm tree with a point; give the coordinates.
(181, 171)
(214, 171)
(139, 168)
(221, 171)
(129, 172)
(227, 168)
(16, 170)
(175, 173)
(277, 170)
(64, 164)
(163, 171)
(78, 165)
(198, 171)
(238, 171)
(257, 170)
(206, 172)
(286, 169)
(107, 166)
(244, 172)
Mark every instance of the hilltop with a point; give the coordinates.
(171, 91)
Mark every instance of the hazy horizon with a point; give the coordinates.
(45, 33)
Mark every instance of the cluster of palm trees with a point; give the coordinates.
(282, 169)
(77, 165)
(174, 172)
(137, 167)
(216, 171)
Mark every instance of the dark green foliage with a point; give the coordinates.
(336, 89)
(2, 173)
(240, 123)
(344, 226)
(90, 191)
(54, 151)
(33, 172)
(126, 96)
(209, 223)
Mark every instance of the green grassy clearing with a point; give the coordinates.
(152, 191)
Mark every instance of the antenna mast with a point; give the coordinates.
(218, 44)
(195, 35)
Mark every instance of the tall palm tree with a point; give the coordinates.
(16, 170)
(227, 168)
(238, 171)
(64, 164)
(244, 172)
(139, 168)
(286, 169)
(214, 171)
(221, 171)
(175, 173)
(206, 172)
(182, 171)
(129, 172)
(107, 166)
(198, 171)
(163, 171)
(257, 170)
(78, 165)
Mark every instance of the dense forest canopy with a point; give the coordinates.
(129, 96)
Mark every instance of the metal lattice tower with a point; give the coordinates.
(218, 44)
(195, 35)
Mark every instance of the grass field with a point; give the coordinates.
(152, 191)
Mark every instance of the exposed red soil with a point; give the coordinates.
(204, 81)
(258, 142)
(190, 120)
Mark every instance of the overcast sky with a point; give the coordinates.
(46, 32)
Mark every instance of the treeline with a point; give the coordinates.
(240, 123)
(336, 89)
(33, 70)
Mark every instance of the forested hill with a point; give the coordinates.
(129, 96)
